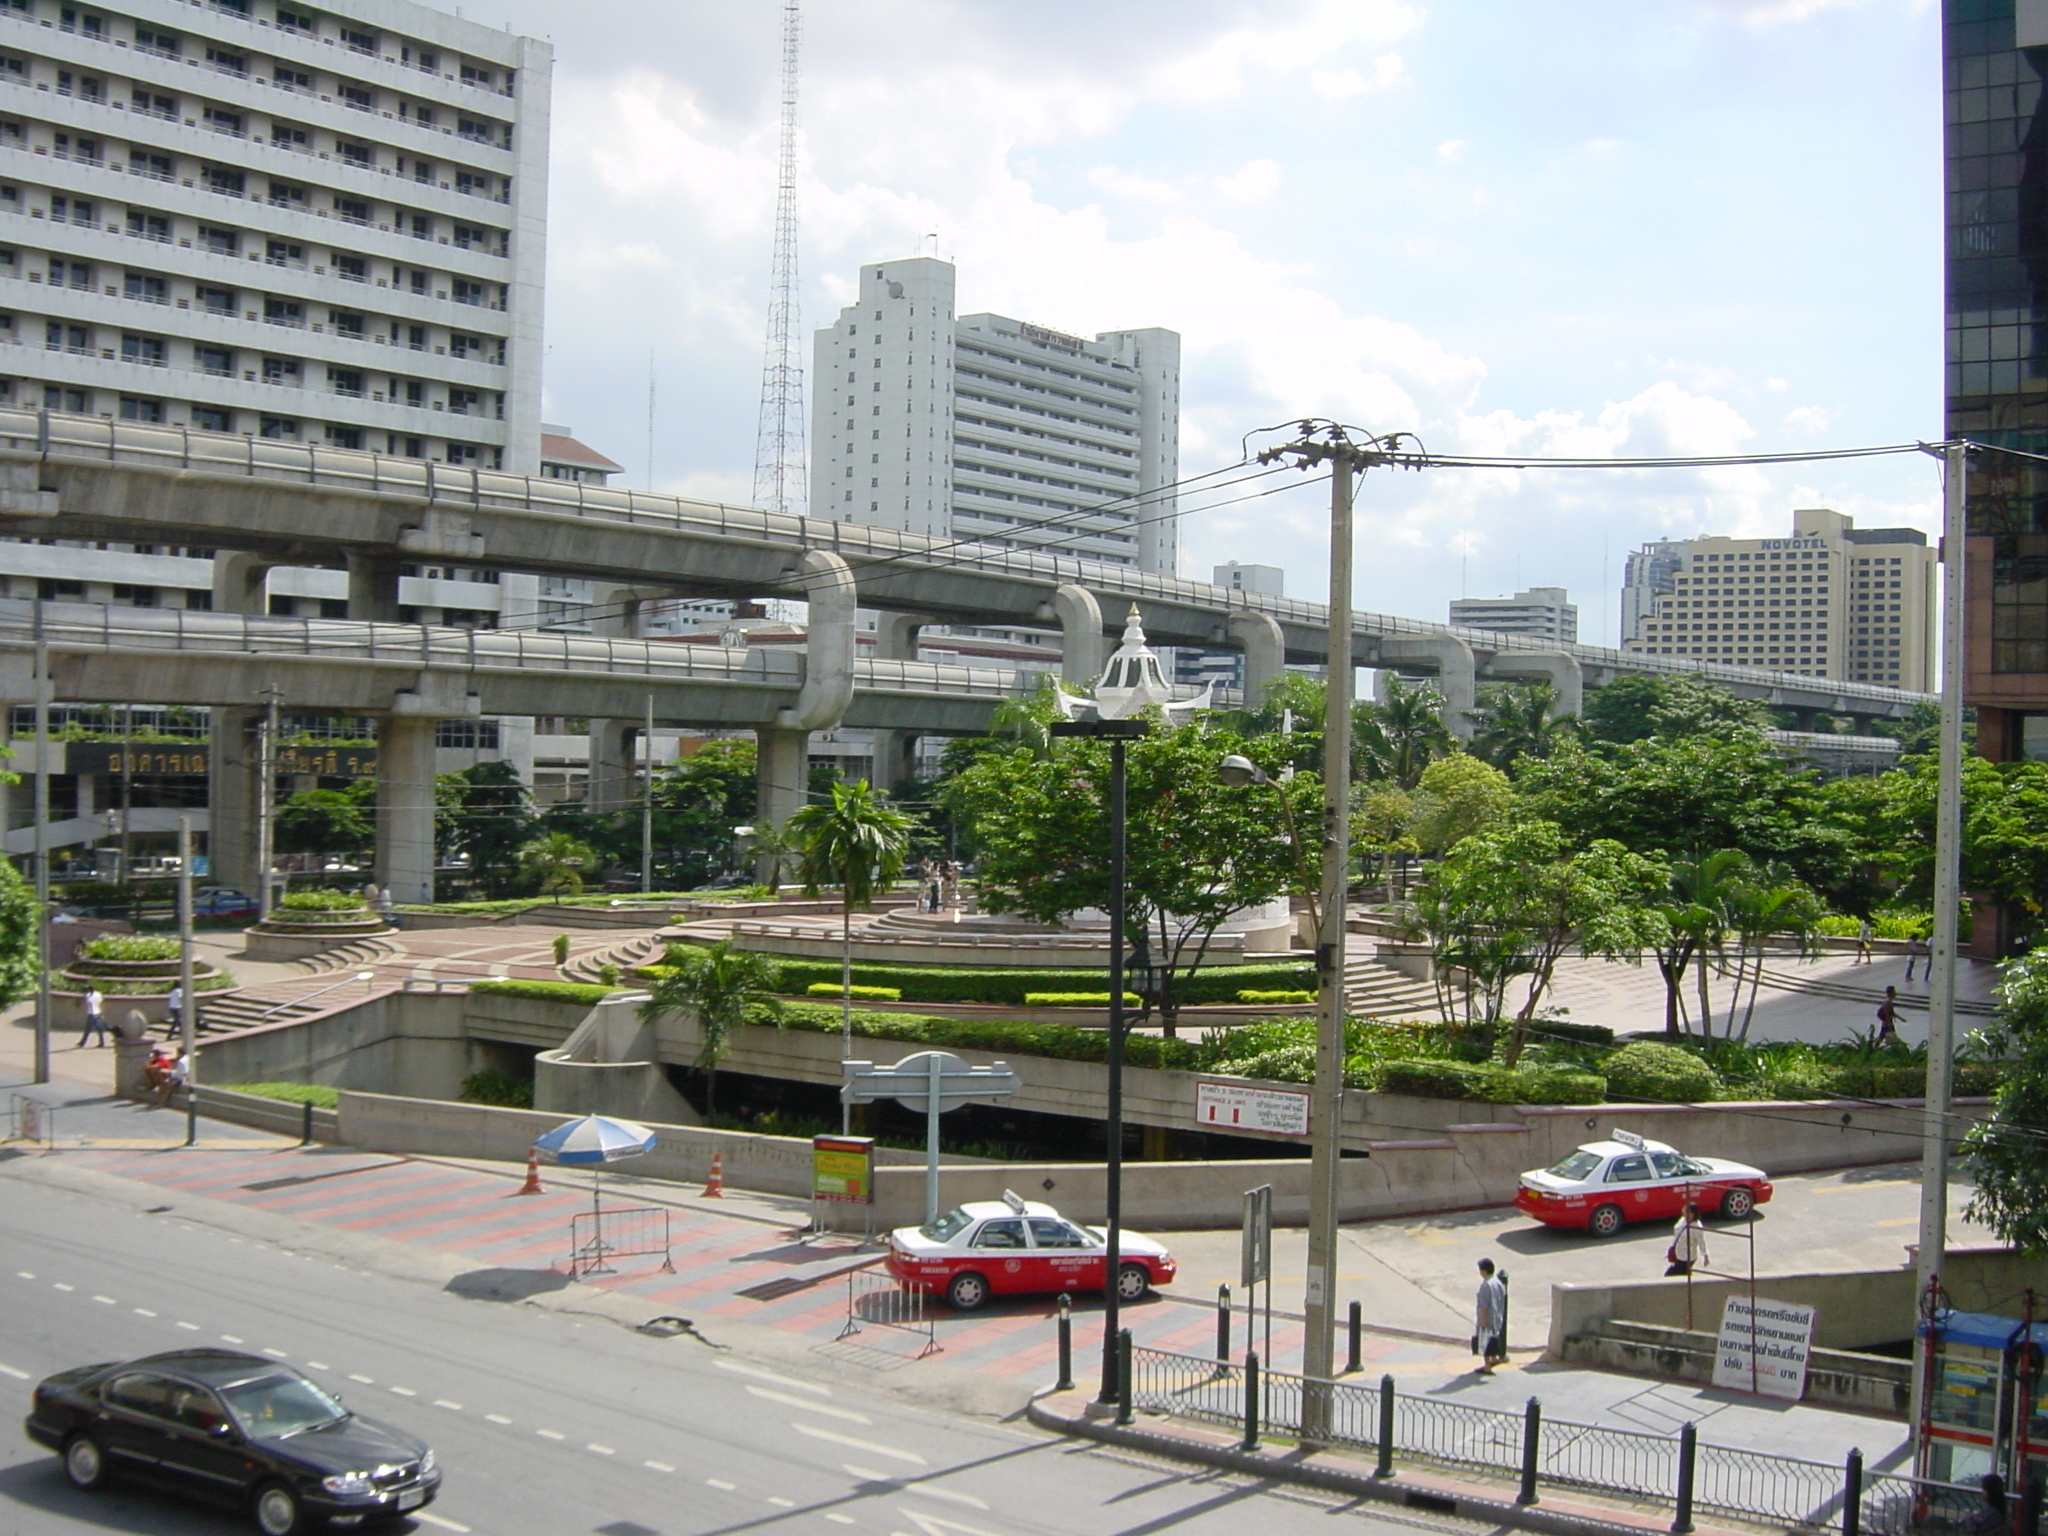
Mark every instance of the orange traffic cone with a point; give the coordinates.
(532, 1184)
(714, 1187)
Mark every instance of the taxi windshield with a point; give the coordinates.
(1579, 1165)
(947, 1227)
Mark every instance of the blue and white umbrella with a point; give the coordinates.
(595, 1139)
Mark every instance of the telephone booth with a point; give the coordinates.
(1986, 1407)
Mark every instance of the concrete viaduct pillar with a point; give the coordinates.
(781, 769)
(895, 751)
(373, 588)
(1456, 672)
(233, 797)
(610, 786)
(405, 783)
(1082, 643)
(1558, 668)
(238, 576)
(1265, 652)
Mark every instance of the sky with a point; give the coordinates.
(1585, 227)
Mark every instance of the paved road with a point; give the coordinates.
(552, 1422)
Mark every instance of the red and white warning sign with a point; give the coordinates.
(1267, 1111)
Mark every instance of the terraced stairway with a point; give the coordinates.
(1379, 991)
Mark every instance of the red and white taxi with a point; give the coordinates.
(1607, 1184)
(1013, 1246)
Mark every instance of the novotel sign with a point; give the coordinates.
(1795, 544)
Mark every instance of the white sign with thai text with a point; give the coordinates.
(1234, 1107)
(1763, 1347)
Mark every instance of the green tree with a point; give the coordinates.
(21, 925)
(334, 823)
(2007, 1152)
(1518, 720)
(484, 814)
(721, 986)
(854, 840)
(1458, 796)
(555, 863)
(1770, 904)
(1695, 907)
(1399, 735)
(1380, 823)
(698, 800)
(1637, 707)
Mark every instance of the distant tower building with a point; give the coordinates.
(992, 429)
(1648, 576)
(1541, 613)
(1198, 666)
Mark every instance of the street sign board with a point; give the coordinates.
(912, 1081)
(1255, 1239)
(1240, 1107)
(1763, 1347)
(843, 1169)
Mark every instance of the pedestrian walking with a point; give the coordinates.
(95, 1017)
(1490, 1319)
(1888, 1018)
(383, 905)
(1688, 1243)
(174, 1009)
(934, 885)
(1916, 953)
(1863, 937)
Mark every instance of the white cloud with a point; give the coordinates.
(1342, 84)
(1451, 151)
(1809, 421)
(1252, 181)
(1142, 188)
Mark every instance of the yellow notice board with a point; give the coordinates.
(843, 1169)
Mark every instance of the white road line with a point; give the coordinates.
(229, 1338)
(657, 1466)
(808, 1407)
(8, 1370)
(144, 1312)
(59, 1285)
(926, 1490)
(497, 1418)
(840, 1519)
(318, 1365)
(188, 1327)
(781, 1381)
(442, 1402)
(551, 1434)
(403, 1391)
(600, 1450)
(368, 1381)
(106, 1301)
(22, 1274)
(781, 1503)
(277, 1354)
(719, 1482)
(446, 1525)
(859, 1445)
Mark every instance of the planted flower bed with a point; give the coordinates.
(306, 922)
(134, 972)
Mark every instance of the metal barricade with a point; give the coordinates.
(1909, 1506)
(875, 1298)
(32, 1121)
(596, 1237)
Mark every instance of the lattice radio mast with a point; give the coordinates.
(779, 470)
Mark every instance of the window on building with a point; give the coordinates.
(345, 322)
(77, 401)
(416, 338)
(353, 210)
(296, 20)
(58, 337)
(355, 153)
(222, 242)
(344, 437)
(220, 120)
(150, 290)
(422, 227)
(146, 350)
(464, 346)
(227, 61)
(150, 226)
(157, 41)
(345, 381)
(463, 402)
(362, 98)
(423, 170)
(219, 361)
(473, 74)
(281, 370)
(285, 194)
(465, 292)
(290, 136)
(359, 42)
(65, 147)
(475, 128)
(290, 79)
(353, 268)
(219, 300)
(85, 23)
(461, 453)
(124, 593)
(221, 179)
(284, 253)
(75, 210)
(139, 408)
(278, 426)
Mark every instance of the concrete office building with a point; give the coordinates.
(1541, 613)
(1648, 575)
(1194, 666)
(1833, 600)
(991, 429)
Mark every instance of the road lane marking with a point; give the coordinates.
(781, 1503)
(105, 1301)
(229, 1338)
(446, 1525)
(551, 1434)
(497, 1418)
(932, 1525)
(318, 1365)
(189, 1327)
(808, 1407)
(402, 1391)
(144, 1312)
(836, 1438)
(657, 1466)
(600, 1450)
(277, 1354)
(719, 1482)
(59, 1285)
(22, 1274)
(837, 1519)
(8, 1370)
(781, 1381)
(367, 1381)
(442, 1402)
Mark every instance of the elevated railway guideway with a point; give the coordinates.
(88, 477)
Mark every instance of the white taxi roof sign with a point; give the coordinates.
(1629, 1139)
(1015, 1202)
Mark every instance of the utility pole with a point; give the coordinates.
(779, 471)
(188, 1013)
(266, 794)
(647, 803)
(1328, 443)
(42, 815)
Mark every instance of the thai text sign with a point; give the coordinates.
(1763, 1347)
(1235, 1107)
(843, 1169)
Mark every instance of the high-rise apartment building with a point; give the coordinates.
(985, 428)
(1833, 600)
(1647, 576)
(1997, 378)
(322, 225)
(1541, 613)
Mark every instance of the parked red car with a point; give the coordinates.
(1604, 1185)
(1014, 1246)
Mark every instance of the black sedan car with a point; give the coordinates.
(236, 1429)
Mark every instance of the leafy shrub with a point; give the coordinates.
(969, 984)
(316, 1094)
(130, 947)
(1077, 1000)
(561, 948)
(1275, 999)
(1645, 1072)
(326, 899)
(1284, 1064)
(1003, 1037)
(497, 1089)
(543, 991)
(1490, 1085)
(864, 994)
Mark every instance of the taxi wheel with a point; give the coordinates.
(1605, 1221)
(965, 1292)
(1737, 1204)
(1132, 1282)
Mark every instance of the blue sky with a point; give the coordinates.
(1586, 226)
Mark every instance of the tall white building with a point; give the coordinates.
(1541, 613)
(1648, 575)
(991, 429)
(1833, 600)
(316, 224)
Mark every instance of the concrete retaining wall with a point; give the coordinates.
(266, 1114)
(1834, 1378)
(397, 1042)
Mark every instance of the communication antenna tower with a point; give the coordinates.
(779, 471)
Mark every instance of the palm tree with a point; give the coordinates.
(1702, 891)
(856, 841)
(719, 984)
(770, 846)
(557, 861)
(1517, 720)
(1398, 736)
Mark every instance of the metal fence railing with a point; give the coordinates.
(877, 1299)
(1754, 1485)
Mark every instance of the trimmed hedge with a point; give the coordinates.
(1062, 1042)
(1433, 1079)
(323, 900)
(130, 948)
(1276, 999)
(543, 991)
(1645, 1072)
(967, 984)
(1078, 1000)
(862, 994)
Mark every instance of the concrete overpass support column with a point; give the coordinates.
(610, 787)
(896, 636)
(895, 759)
(781, 770)
(231, 839)
(1265, 653)
(828, 645)
(373, 588)
(405, 806)
(1558, 668)
(1083, 647)
(1456, 672)
(238, 577)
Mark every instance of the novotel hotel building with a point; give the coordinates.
(1832, 600)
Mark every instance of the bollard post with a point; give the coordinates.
(1852, 1494)
(1066, 1381)
(1386, 1461)
(306, 1128)
(1532, 1445)
(1688, 1452)
(1353, 1361)
(1123, 1377)
(1223, 1322)
(1251, 1401)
